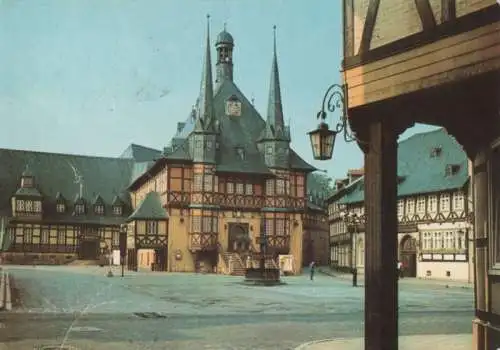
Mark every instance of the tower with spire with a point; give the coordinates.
(274, 141)
(224, 66)
(204, 136)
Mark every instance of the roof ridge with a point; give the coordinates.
(147, 147)
(439, 129)
(64, 154)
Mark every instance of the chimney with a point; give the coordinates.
(341, 183)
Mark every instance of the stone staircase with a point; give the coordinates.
(235, 263)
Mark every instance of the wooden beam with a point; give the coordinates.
(426, 15)
(348, 28)
(371, 17)
(448, 10)
(381, 290)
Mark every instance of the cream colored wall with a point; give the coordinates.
(178, 240)
(296, 241)
(459, 270)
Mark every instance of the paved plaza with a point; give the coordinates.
(81, 307)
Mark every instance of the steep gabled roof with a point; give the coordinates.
(418, 171)
(54, 176)
(149, 209)
(140, 153)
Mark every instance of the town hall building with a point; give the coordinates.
(227, 182)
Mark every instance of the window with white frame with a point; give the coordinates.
(458, 201)
(270, 187)
(196, 224)
(20, 205)
(280, 186)
(99, 209)
(427, 241)
(410, 206)
(444, 202)
(449, 240)
(248, 189)
(117, 209)
(29, 206)
(461, 240)
(79, 209)
(401, 208)
(437, 240)
(421, 205)
(230, 187)
(197, 182)
(152, 227)
(208, 182)
(432, 207)
(60, 207)
(240, 188)
(37, 206)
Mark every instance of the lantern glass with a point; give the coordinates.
(322, 142)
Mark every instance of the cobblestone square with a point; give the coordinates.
(81, 307)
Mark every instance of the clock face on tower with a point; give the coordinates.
(233, 107)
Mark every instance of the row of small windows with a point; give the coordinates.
(31, 206)
(445, 201)
(61, 237)
(444, 240)
(207, 224)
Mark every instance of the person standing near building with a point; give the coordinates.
(312, 267)
(400, 269)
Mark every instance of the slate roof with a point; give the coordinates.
(150, 208)
(54, 179)
(418, 172)
(242, 131)
(140, 153)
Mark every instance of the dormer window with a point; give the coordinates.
(452, 169)
(117, 210)
(240, 152)
(79, 209)
(436, 152)
(26, 181)
(99, 209)
(60, 208)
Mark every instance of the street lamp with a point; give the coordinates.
(352, 219)
(322, 138)
(263, 248)
(123, 246)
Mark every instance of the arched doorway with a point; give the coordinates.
(408, 254)
(239, 240)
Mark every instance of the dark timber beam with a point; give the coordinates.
(371, 17)
(381, 291)
(426, 15)
(448, 10)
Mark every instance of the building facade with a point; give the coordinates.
(227, 183)
(316, 239)
(229, 179)
(434, 212)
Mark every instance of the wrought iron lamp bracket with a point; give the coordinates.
(335, 100)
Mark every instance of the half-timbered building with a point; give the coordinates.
(229, 179)
(434, 207)
(57, 208)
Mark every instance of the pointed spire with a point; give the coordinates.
(275, 107)
(206, 110)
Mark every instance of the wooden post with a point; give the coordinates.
(481, 229)
(381, 289)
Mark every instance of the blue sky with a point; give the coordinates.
(90, 77)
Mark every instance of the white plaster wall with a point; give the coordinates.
(459, 271)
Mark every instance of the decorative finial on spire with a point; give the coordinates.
(253, 100)
(274, 37)
(225, 25)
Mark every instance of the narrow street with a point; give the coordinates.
(187, 311)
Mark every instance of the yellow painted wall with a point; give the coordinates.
(178, 240)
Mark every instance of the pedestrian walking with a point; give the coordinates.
(312, 267)
(399, 268)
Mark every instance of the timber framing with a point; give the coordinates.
(447, 29)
